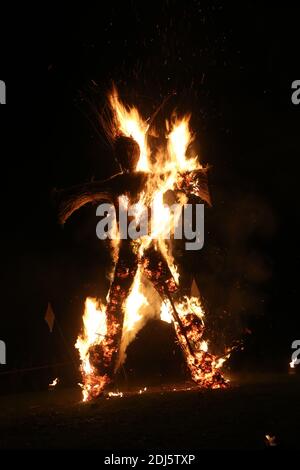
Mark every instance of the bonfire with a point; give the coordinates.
(145, 282)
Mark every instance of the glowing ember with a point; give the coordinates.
(116, 394)
(150, 269)
(270, 440)
(54, 383)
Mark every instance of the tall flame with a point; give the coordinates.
(129, 123)
(94, 331)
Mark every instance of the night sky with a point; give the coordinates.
(230, 66)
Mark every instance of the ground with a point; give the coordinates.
(236, 418)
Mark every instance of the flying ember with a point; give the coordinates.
(54, 383)
(146, 282)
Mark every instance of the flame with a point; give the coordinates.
(133, 318)
(134, 303)
(94, 332)
(204, 346)
(129, 123)
(165, 313)
(179, 139)
(175, 170)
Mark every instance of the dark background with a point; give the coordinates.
(231, 66)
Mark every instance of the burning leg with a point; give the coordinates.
(105, 360)
(188, 322)
(103, 355)
(203, 366)
(157, 271)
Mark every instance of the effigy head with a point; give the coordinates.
(127, 152)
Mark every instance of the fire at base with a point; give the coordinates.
(146, 282)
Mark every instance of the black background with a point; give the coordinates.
(231, 66)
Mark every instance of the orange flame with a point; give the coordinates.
(94, 331)
(129, 123)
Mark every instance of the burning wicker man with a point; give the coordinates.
(146, 258)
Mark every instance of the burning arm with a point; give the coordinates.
(194, 183)
(70, 200)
